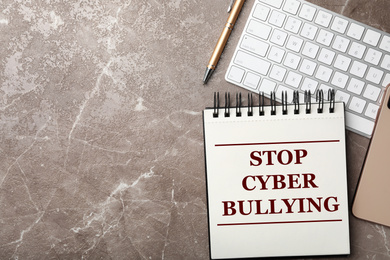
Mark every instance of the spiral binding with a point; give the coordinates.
(307, 101)
(227, 104)
(261, 103)
(296, 102)
(216, 104)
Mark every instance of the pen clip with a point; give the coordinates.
(230, 6)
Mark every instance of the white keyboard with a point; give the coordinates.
(292, 45)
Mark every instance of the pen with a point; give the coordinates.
(234, 12)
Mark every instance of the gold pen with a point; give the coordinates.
(234, 12)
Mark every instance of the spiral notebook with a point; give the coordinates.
(276, 178)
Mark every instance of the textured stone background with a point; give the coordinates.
(101, 146)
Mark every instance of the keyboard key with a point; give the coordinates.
(386, 80)
(357, 50)
(357, 104)
(292, 61)
(385, 43)
(259, 29)
(236, 74)
(326, 56)
(355, 31)
(373, 56)
(252, 80)
(307, 12)
(342, 62)
(267, 86)
(261, 12)
(291, 6)
(293, 25)
(323, 18)
(290, 93)
(340, 80)
(342, 96)
(323, 73)
(309, 85)
(325, 89)
(386, 62)
(372, 37)
(339, 25)
(372, 110)
(310, 50)
(374, 75)
(358, 69)
(324, 37)
(355, 86)
(358, 123)
(277, 73)
(277, 18)
(294, 43)
(253, 63)
(293, 79)
(309, 31)
(274, 3)
(372, 92)
(253, 45)
(341, 43)
(278, 37)
(308, 67)
(276, 54)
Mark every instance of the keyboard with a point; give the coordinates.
(290, 45)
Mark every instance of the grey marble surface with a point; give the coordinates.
(101, 142)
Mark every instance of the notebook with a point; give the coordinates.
(276, 178)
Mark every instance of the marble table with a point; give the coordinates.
(101, 139)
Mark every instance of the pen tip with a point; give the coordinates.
(207, 75)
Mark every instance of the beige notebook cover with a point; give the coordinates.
(372, 197)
